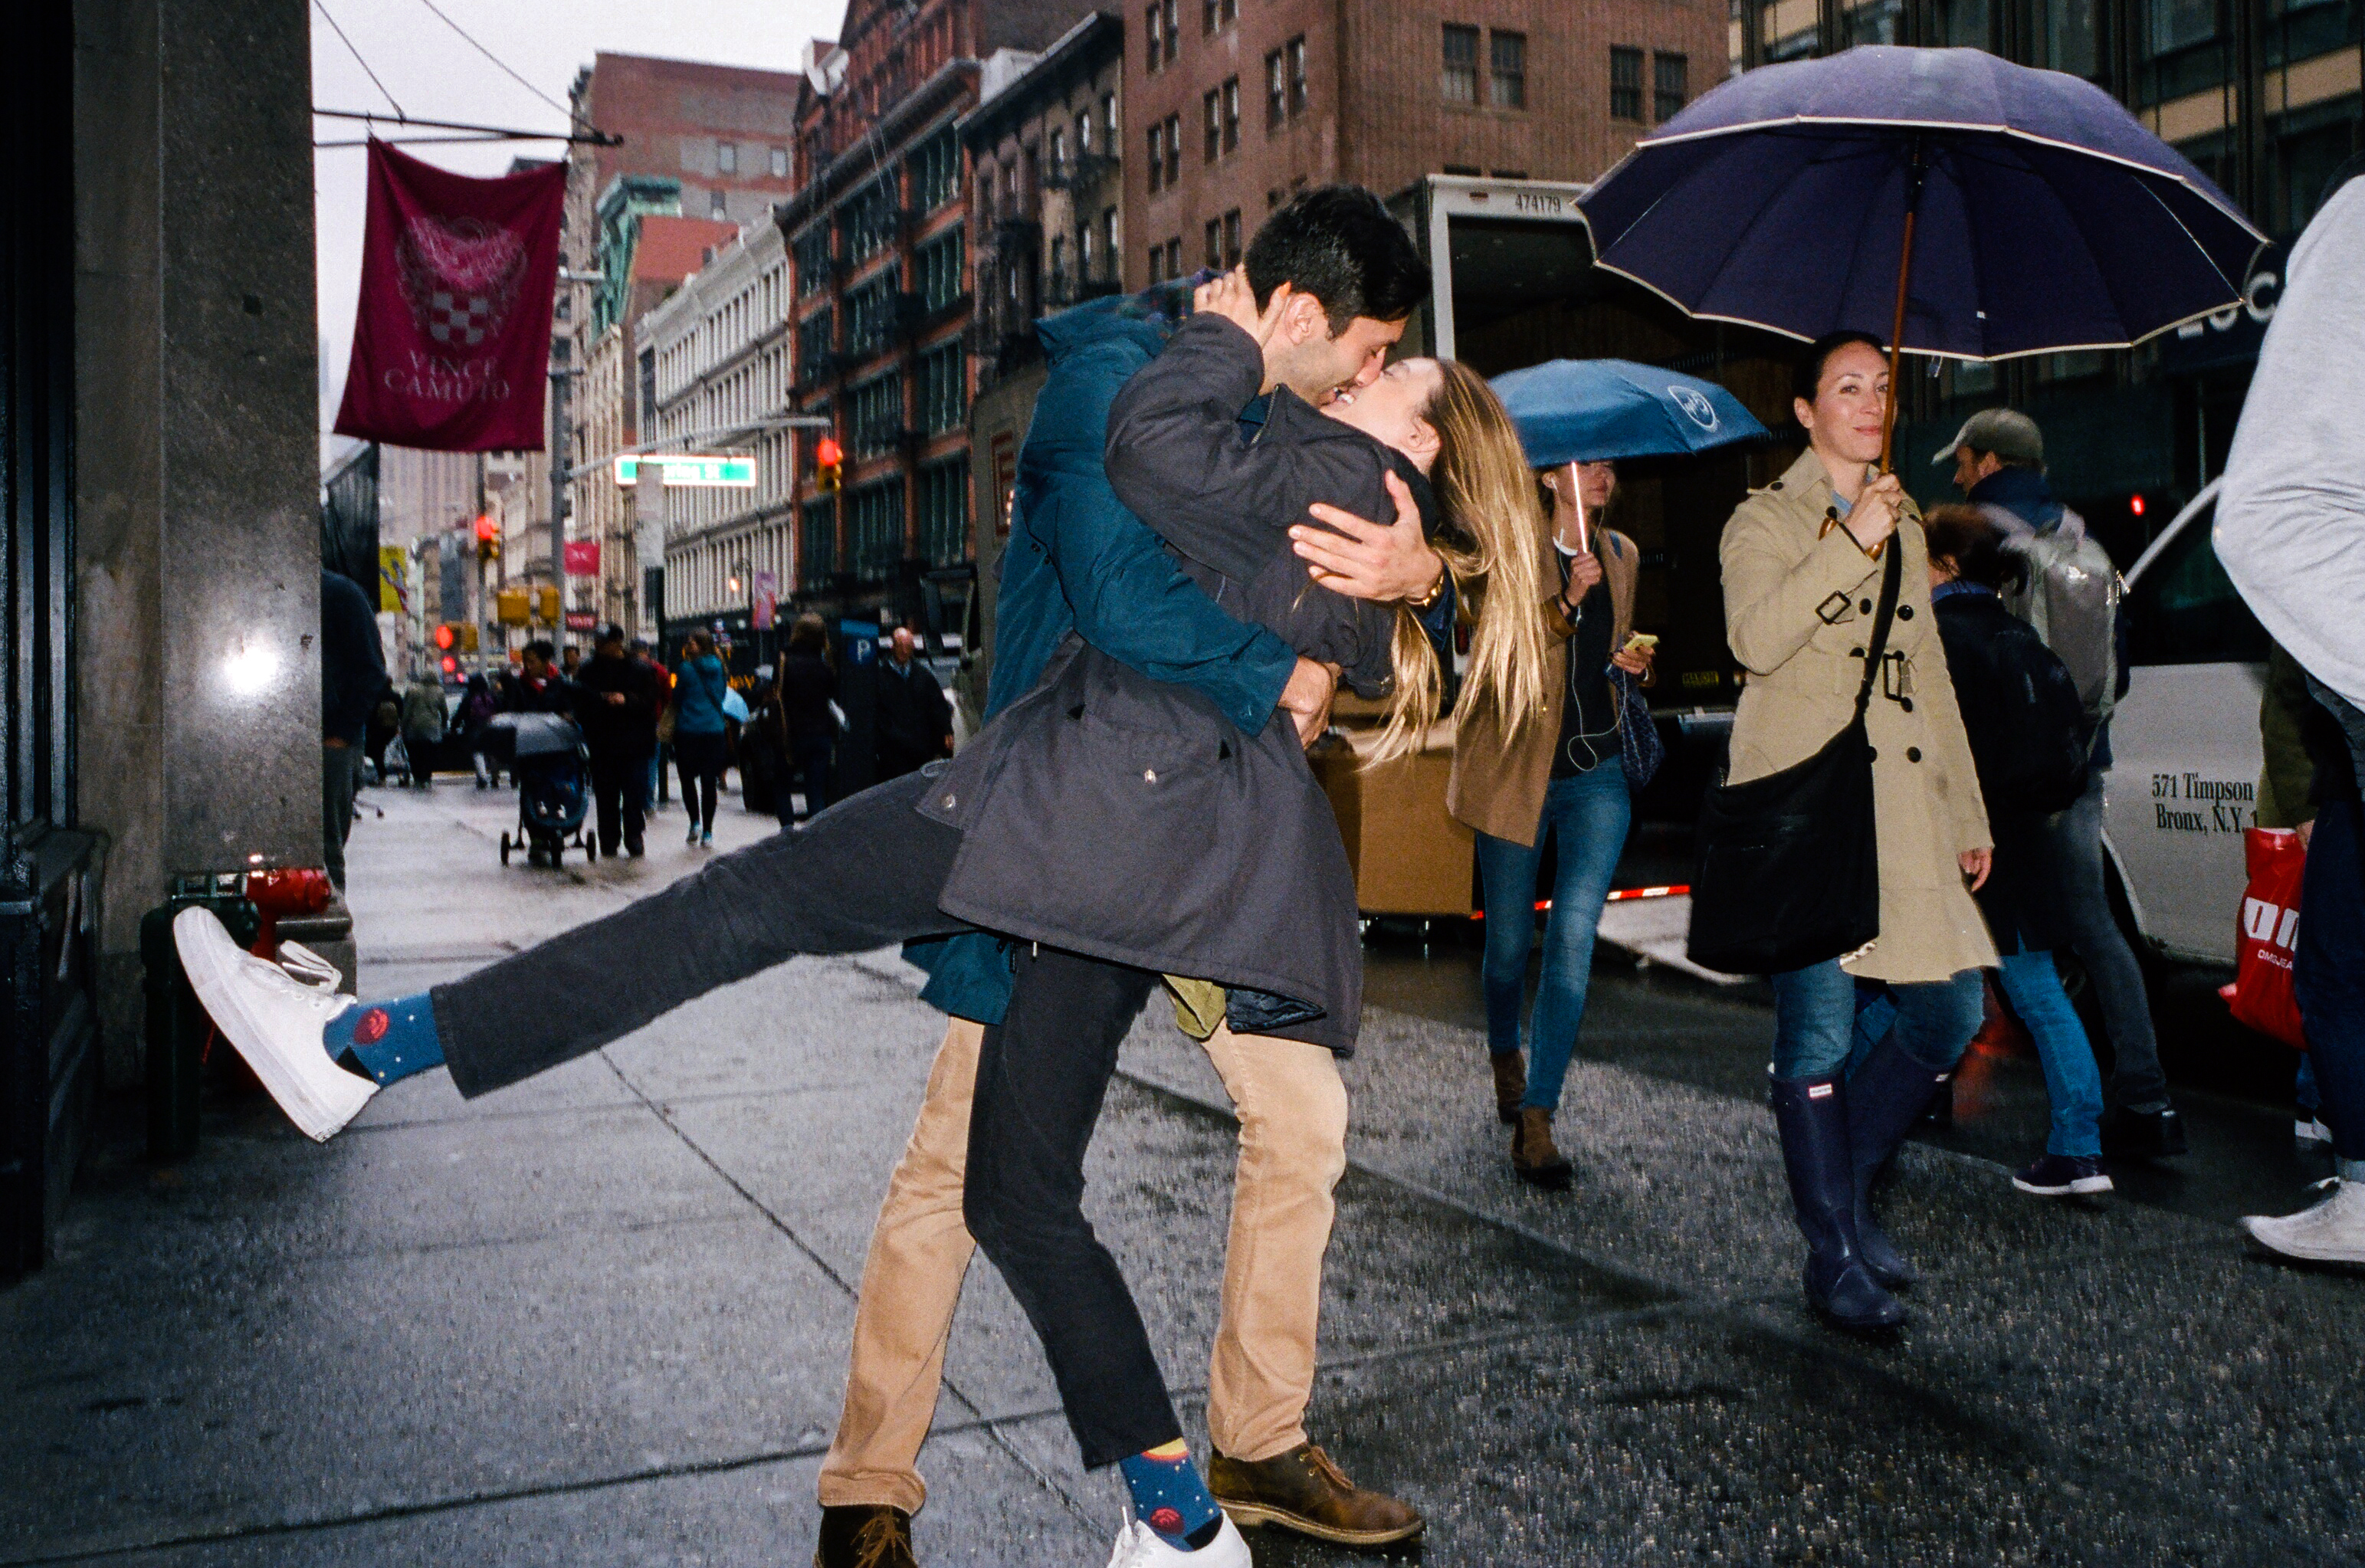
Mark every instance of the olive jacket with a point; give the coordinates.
(1798, 604)
(1497, 780)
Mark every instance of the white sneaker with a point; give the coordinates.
(2331, 1232)
(275, 1022)
(1138, 1546)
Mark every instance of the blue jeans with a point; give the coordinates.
(1815, 1024)
(2328, 975)
(2137, 1083)
(2072, 1081)
(1589, 813)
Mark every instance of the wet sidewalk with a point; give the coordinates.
(602, 1318)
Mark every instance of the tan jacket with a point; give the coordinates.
(1799, 606)
(1498, 782)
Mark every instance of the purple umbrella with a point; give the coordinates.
(1952, 201)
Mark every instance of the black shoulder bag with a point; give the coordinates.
(1789, 872)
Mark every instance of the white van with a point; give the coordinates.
(2184, 743)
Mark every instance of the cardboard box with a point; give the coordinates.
(1408, 853)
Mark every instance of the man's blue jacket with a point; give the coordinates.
(1077, 561)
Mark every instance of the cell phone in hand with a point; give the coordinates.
(1639, 642)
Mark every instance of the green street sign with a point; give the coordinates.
(690, 470)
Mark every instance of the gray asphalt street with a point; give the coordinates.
(602, 1318)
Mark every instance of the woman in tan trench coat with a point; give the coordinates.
(1802, 580)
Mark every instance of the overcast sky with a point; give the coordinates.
(434, 75)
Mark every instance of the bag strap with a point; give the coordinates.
(1891, 576)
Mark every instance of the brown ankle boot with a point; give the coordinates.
(1303, 1491)
(1533, 1157)
(1510, 1085)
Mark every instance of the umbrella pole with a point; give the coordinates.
(1897, 328)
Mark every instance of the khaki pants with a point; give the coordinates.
(1293, 1112)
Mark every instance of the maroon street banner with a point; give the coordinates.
(452, 339)
(582, 558)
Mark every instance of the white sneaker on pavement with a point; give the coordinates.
(2331, 1232)
(1138, 1546)
(274, 1021)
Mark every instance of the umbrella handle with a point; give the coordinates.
(1897, 330)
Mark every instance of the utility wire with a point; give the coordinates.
(496, 59)
(321, 7)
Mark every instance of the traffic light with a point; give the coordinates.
(455, 637)
(545, 605)
(451, 664)
(447, 636)
(489, 537)
(829, 466)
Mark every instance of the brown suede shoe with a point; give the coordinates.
(1533, 1155)
(1303, 1491)
(1510, 1085)
(865, 1536)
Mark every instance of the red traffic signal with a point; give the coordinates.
(451, 664)
(488, 528)
(827, 453)
(445, 637)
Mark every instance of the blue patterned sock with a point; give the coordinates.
(1169, 1496)
(386, 1040)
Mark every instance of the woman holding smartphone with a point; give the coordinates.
(1561, 776)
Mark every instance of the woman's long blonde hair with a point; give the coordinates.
(1492, 545)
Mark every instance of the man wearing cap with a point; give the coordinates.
(2071, 598)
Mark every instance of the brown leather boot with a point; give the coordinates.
(1510, 1085)
(865, 1536)
(1303, 1491)
(1533, 1155)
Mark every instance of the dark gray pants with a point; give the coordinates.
(865, 874)
(2137, 1082)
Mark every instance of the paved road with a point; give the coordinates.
(600, 1317)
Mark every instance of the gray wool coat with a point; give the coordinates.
(1116, 816)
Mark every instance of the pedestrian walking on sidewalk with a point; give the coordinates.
(2291, 532)
(808, 708)
(2028, 735)
(698, 731)
(914, 720)
(1803, 568)
(423, 717)
(1561, 777)
(616, 704)
(353, 674)
(2070, 593)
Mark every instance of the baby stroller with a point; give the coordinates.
(544, 753)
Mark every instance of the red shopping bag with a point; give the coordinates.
(2267, 935)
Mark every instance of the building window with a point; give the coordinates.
(779, 162)
(1276, 91)
(1232, 237)
(1214, 244)
(878, 529)
(1059, 154)
(875, 415)
(1211, 110)
(1670, 85)
(1172, 10)
(648, 419)
(1174, 257)
(1083, 134)
(1156, 264)
(944, 513)
(1625, 83)
(1217, 14)
(1157, 157)
(1231, 113)
(940, 264)
(1506, 60)
(726, 157)
(1174, 150)
(944, 389)
(715, 206)
(810, 251)
(1459, 83)
(814, 345)
(1108, 121)
(871, 312)
(1298, 96)
(1084, 255)
(1108, 239)
(1154, 30)
(818, 554)
(935, 171)
(867, 219)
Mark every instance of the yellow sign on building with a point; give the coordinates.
(393, 576)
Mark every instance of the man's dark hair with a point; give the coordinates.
(1339, 244)
(611, 632)
(1807, 375)
(542, 649)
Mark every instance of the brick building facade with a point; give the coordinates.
(1232, 106)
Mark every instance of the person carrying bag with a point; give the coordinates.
(1849, 834)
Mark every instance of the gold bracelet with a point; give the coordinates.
(1436, 591)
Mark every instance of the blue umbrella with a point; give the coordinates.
(1579, 410)
(2047, 218)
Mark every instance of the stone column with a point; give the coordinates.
(198, 479)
